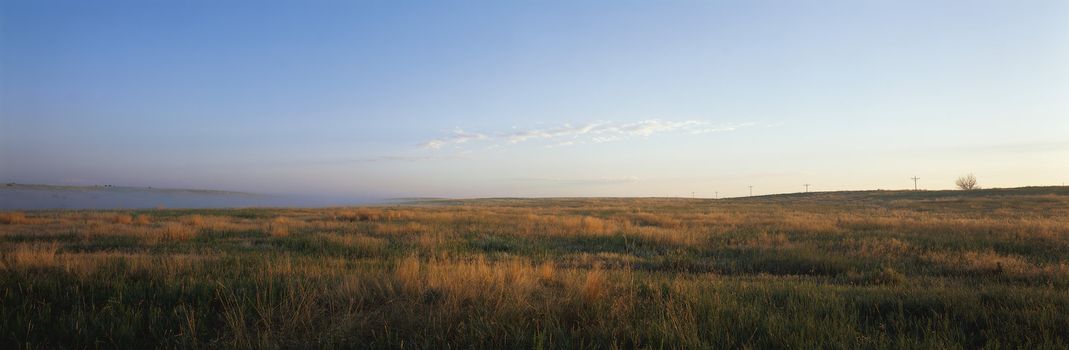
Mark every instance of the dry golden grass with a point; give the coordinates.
(508, 286)
(594, 285)
(619, 273)
(429, 241)
(173, 231)
(880, 248)
(370, 245)
(124, 219)
(13, 218)
(765, 240)
(547, 272)
(989, 262)
(408, 273)
(605, 260)
(192, 220)
(85, 265)
(400, 228)
(651, 219)
(666, 236)
(372, 214)
(578, 225)
(278, 227)
(32, 255)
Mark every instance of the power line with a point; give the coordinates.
(806, 188)
(915, 182)
(751, 190)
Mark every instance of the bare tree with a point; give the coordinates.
(967, 182)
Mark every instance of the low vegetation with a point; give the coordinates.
(886, 269)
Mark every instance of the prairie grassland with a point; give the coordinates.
(824, 270)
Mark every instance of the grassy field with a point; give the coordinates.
(884, 269)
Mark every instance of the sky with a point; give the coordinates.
(534, 98)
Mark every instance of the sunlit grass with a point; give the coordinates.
(853, 271)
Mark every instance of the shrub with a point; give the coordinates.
(967, 182)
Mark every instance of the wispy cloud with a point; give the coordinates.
(402, 158)
(458, 136)
(564, 131)
(596, 132)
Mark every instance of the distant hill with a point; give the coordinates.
(921, 194)
(984, 199)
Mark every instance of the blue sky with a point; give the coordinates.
(534, 98)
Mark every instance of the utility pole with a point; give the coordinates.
(751, 190)
(915, 178)
(691, 195)
(806, 188)
(716, 194)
